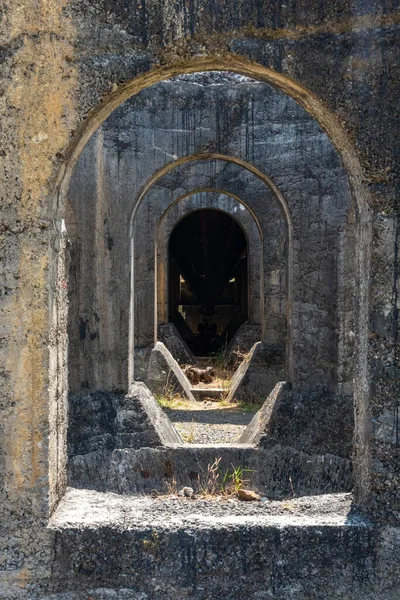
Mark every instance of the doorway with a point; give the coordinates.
(208, 282)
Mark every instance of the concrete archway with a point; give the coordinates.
(345, 149)
(267, 208)
(225, 202)
(237, 210)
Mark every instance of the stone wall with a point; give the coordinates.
(65, 66)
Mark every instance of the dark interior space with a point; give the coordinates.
(208, 285)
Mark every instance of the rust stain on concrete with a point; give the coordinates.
(46, 105)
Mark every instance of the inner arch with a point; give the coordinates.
(208, 283)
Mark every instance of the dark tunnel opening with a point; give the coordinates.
(208, 282)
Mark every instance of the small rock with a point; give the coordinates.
(186, 491)
(248, 495)
(264, 499)
(40, 137)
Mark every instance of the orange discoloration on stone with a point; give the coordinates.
(162, 308)
(42, 91)
(45, 125)
(23, 577)
(34, 16)
(27, 363)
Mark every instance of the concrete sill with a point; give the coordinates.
(87, 509)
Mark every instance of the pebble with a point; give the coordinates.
(186, 492)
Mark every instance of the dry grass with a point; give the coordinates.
(215, 483)
(240, 357)
(176, 402)
(222, 483)
(167, 398)
(189, 437)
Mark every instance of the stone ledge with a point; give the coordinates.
(314, 547)
(87, 509)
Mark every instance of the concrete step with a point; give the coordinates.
(202, 550)
(203, 393)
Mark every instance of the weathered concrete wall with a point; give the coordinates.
(59, 59)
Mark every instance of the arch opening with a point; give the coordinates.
(208, 279)
(242, 191)
(306, 203)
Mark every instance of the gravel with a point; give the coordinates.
(208, 424)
